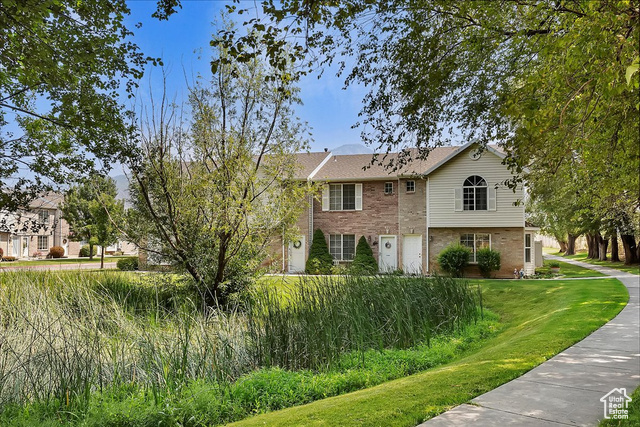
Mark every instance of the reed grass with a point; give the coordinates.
(67, 336)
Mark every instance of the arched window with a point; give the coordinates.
(474, 194)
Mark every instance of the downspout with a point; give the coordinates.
(426, 197)
(283, 253)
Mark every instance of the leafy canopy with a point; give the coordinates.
(211, 193)
(64, 65)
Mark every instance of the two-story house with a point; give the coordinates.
(33, 231)
(409, 216)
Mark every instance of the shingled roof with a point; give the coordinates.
(360, 167)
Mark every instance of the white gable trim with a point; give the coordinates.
(460, 150)
(317, 169)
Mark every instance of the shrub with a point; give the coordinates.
(488, 261)
(320, 260)
(84, 251)
(56, 252)
(364, 262)
(454, 258)
(554, 264)
(127, 264)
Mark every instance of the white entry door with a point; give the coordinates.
(25, 247)
(388, 255)
(296, 255)
(15, 249)
(412, 254)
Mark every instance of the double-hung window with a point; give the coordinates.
(43, 217)
(388, 188)
(475, 242)
(342, 197)
(43, 243)
(342, 246)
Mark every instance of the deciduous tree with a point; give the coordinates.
(64, 66)
(214, 190)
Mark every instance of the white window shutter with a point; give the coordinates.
(492, 198)
(325, 198)
(457, 199)
(358, 197)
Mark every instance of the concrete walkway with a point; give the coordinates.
(61, 266)
(566, 389)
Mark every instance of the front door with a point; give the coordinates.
(25, 247)
(296, 255)
(388, 255)
(529, 262)
(15, 247)
(412, 254)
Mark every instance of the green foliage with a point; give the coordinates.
(210, 195)
(326, 317)
(555, 82)
(553, 264)
(85, 251)
(55, 252)
(488, 261)
(91, 209)
(162, 379)
(64, 65)
(320, 260)
(364, 262)
(454, 258)
(127, 264)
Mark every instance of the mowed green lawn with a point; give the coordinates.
(582, 256)
(540, 317)
(569, 270)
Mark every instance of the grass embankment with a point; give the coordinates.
(59, 261)
(113, 349)
(568, 270)
(540, 319)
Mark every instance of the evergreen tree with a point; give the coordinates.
(364, 262)
(320, 260)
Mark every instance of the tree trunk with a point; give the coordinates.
(90, 250)
(563, 245)
(614, 247)
(592, 245)
(101, 256)
(630, 249)
(571, 244)
(603, 244)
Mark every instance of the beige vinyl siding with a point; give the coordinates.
(445, 180)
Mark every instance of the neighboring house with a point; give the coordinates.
(409, 216)
(33, 231)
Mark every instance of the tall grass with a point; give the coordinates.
(66, 335)
(324, 318)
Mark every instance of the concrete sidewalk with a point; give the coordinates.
(566, 389)
(61, 266)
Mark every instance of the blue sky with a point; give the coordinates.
(183, 44)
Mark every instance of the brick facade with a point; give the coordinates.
(379, 215)
(508, 241)
(407, 213)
